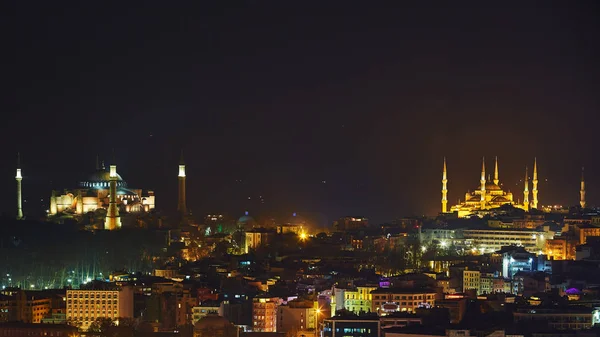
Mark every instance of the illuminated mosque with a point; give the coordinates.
(103, 189)
(490, 194)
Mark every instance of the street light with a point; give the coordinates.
(317, 312)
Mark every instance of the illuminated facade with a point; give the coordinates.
(561, 248)
(257, 237)
(94, 193)
(86, 306)
(471, 280)
(583, 231)
(356, 300)
(264, 314)
(493, 239)
(389, 300)
(489, 194)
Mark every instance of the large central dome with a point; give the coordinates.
(101, 179)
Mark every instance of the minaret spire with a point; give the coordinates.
(582, 191)
(181, 204)
(534, 202)
(19, 177)
(496, 180)
(113, 220)
(444, 189)
(482, 181)
(526, 191)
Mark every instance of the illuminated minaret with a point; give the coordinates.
(444, 189)
(19, 177)
(113, 220)
(181, 204)
(526, 191)
(496, 180)
(534, 202)
(582, 191)
(483, 184)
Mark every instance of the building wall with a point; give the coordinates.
(85, 306)
(289, 319)
(493, 239)
(471, 280)
(400, 301)
(264, 314)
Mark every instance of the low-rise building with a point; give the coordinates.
(20, 329)
(389, 300)
(566, 318)
(342, 326)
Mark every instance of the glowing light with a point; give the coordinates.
(303, 236)
(19, 174)
(423, 249)
(181, 171)
(113, 171)
(443, 243)
(32, 286)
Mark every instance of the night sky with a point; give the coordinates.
(325, 109)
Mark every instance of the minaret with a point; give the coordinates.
(526, 191)
(444, 189)
(19, 177)
(496, 180)
(483, 184)
(113, 220)
(534, 202)
(181, 204)
(582, 191)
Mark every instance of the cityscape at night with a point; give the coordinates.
(287, 169)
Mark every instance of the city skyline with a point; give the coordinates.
(311, 108)
(324, 219)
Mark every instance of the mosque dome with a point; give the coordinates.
(101, 175)
(492, 187)
(246, 219)
(212, 321)
(101, 179)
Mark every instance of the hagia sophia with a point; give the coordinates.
(93, 193)
(105, 191)
(490, 194)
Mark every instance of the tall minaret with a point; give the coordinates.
(483, 184)
(113, 220)
(534, 202)
(526, 191)
(181, 204)
(496, 180)
(19, 177)
(444, 189)
(582, 191)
